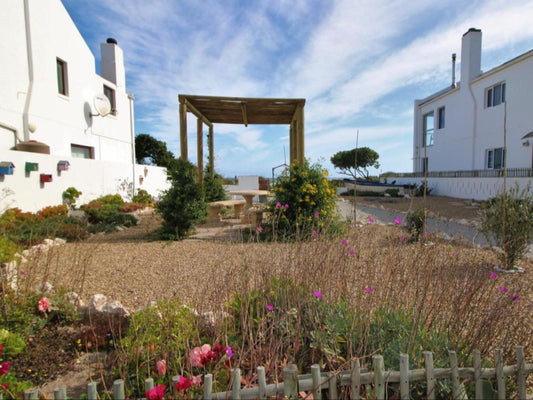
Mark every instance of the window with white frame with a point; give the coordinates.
(441, 117)
(428, 128)
(62, 77)
(110, 93)
(496, 95)
(495, 158)
(79, 151)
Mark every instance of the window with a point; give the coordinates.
(78, 151)
(429, 128)
(62, 77)
(496, 95)
(110, 93)
(441, 114)
(495, 158)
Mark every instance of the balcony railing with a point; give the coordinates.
(478, 173)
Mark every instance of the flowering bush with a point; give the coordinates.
(304, 204)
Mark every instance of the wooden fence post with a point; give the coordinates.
(208, 386)
(60, 393)
(290, 381)
(92, 393)
(500, 378)
(118, 390)
(430, 375)
(236, 383)
(31, 394)
(456, 387)
(317, 386)
(520, 372)
(379, 377)
(404, 376)
(261, 380)
(332, 388)
(148, 384)
(477, 374)
(355, 379)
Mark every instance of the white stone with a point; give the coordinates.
(97, 302)
(115, 308)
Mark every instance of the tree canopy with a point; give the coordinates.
(345, 161)
(150, 151)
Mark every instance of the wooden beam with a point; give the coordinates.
(300, 135)
(183, 132)
(200, 149)
(197, 113)
(244, 117)
(292, 142)
(211, 147)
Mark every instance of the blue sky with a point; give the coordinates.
(358, 63)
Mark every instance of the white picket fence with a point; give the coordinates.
(359, 380)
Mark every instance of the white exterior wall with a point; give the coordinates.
(471, 128)
(61, 121)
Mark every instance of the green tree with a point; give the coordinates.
(213, 187)
(150, 151)
(183, 204)
(345, 161)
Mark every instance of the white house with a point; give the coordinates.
(466, 133)
(50, 127)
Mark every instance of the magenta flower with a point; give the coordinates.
(402, 239)
(278, 205)
(156, 393)
(315, 234)
(426, 234)
(229, 352)
(493, 275)
(286, 206)
(4, 368)
(196, 380)
(352, 251)
(345, 242)
(183, 384)
(316, 214)
(22, 273)
(317, 294)
(515, 298)
(368, 289)
(371, 220)
(503, 289)
(397, 221)
(270, 307)
(259, 228)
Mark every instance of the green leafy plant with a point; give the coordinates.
(143, 197)
(422, 189)
(183, 204)
(415, 222)
(70, 196)
(507, 224)
(213, 187)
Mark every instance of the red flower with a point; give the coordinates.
(4, 368)
(1, 348)
(161, 366)
(218, 348)
(183, 383)
(43, 304)
(156, 393)
(4, 386)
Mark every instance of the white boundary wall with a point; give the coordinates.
(92, 177)
(465, 188)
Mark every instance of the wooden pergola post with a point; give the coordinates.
(200, 148)
(300, 151)
(211, 147)
(183, 131)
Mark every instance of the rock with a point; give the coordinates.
(74, 298)
(97, 303)
(115, 308)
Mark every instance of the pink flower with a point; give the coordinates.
(4, 368)
(22, 273)
(368, 289)
(286, 206)
(426, 234)
(229, 352)
(43, 304)
(493, 275)
(515, 297)
(156, 393)
(259, 228)
(352, 251)
(270, 307)
(317, 294)
(161, 366)
(316, 214)
(1, 348)
(371, 220)
(201, 356)
(402, 239)
(196, 380)
(278, 205)
(397, 221)
(345, 242)
(315, 234)
(183, 384)
(503, 289)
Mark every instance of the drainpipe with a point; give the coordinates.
(132, 132)
(12, 129)
(25, 124)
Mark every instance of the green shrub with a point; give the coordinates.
(421, 189)
(304, 203)
(142, 197)
(415, 222)
(104, 214)
(393, 192)
(70, 196)
(183, 204)
(507, 224)
(213, 187)
(8, 249)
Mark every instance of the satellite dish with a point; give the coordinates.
(102, 104)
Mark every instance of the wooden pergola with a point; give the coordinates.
(240, 110)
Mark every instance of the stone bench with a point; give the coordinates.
(254, 215)
(215, 208)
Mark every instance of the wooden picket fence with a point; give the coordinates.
(356, 379)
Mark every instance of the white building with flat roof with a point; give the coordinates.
(466, 133)
(51, 104)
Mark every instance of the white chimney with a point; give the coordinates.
(112, 63)
(454, 84)
(471, 55)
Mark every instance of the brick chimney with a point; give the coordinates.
(112, 63)
(471, 55)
